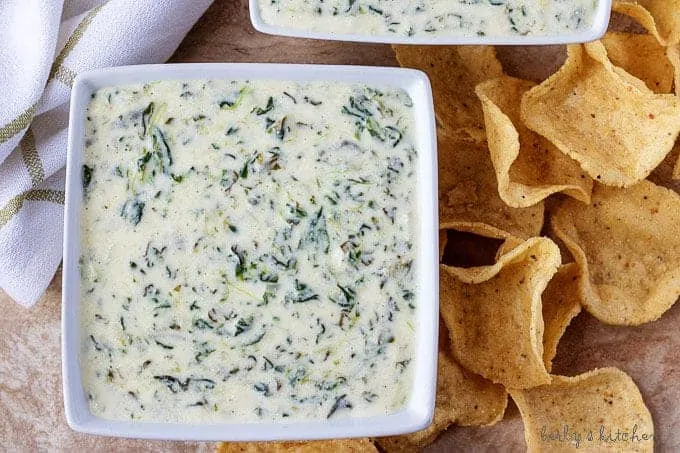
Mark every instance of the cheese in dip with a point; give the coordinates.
(248, 251)
(432, 18)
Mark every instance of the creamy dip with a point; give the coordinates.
(432, 18)
(248, 251)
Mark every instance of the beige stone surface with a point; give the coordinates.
(31, 405)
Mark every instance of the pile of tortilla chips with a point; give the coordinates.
(553, 197)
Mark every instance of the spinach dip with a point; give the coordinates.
(248, 251)
(432, 18)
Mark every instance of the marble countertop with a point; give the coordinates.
(31, 404)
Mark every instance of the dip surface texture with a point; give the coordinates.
(432, 18)
(248, 251)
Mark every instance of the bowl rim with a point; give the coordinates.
(598, 29)
(419, 410)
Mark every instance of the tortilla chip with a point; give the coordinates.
(470, 247)
(668, 173)
(561, 304)
(528, 167)
(607, 120)
(465, 249)
(470, 399)
(665, 12)
(477, 228)
(673, 55)
(326, 446)
(643, 57)
(512, 250)
(454, 71)
(508, 245)
(551, 205)
(495, 321)
(463, 398)
(627, 244)
(660, 17)
(468, 193)
(586, 413)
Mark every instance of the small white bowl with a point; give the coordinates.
(599, 27)
(418, 412)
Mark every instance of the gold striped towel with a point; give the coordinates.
(43, 46)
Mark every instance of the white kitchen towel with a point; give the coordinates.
(44, 44)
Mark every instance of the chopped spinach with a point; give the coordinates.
(133, 211)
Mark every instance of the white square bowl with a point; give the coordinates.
(418, 412)
(596, 31)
